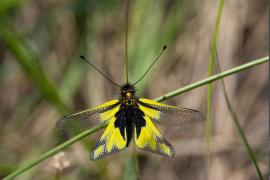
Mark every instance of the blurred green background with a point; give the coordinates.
(42, 78)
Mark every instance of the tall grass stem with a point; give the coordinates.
(209, 91)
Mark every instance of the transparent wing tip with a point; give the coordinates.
(201, 116)
(60, 123)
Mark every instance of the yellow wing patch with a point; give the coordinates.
(104, 105)
(110, 142)
(109, 103)
(169, 115)
(151, 140)
(150, 112)
(148, 101)
(109, 114)
(90, 118)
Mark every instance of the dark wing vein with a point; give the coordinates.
(173, 116)
(85, 119)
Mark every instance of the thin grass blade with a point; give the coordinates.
(209, 90)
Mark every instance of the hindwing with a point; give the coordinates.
(148, 138)
(116, 136)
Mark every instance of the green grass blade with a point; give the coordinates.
(129, 172)
(162, 98)
(131, 165)
(212, 78)
(30, 64)
(238, 126)
(209, 91)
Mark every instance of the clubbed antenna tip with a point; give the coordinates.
(164, 47)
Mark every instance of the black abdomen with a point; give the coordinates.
(124, 121)
(128, 117)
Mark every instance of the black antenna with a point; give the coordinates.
(106, 77)
(164, 47)
(126, 39)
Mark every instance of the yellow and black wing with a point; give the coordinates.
(90, 118)
(169, 115)
(147, 137)
(113, 139)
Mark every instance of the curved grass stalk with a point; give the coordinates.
(212, 78)
(237, 124)
(159, 99)
(209, 91)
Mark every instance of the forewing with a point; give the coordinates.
(111, 141)
(89, 118)
(149, 139)
(169, 115)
